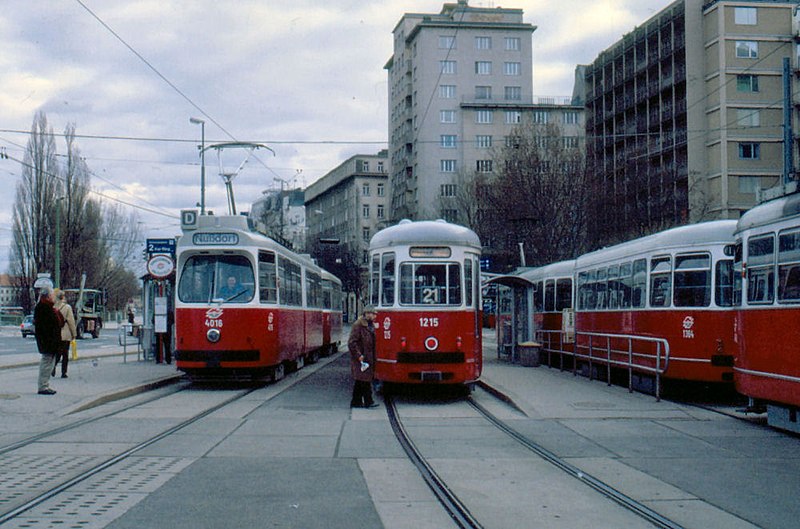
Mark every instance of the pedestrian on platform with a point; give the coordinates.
(48, 322)
(131, 310)
(68, 332)
(361, 345)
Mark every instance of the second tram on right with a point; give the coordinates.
(767, 264)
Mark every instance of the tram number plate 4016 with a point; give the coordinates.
(431, 376)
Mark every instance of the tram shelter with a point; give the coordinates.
(514, 323)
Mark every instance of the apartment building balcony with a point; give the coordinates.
(523, 102)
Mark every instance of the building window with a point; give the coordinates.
(747, 49)
(570, 117)
(748, 117)
(483, 166)
(513, 142)
(512, 68)
(483, 92)
(448, 190)
(541, 116)
(447, 116)
(483, 67)
(749, 151)
(365, 234)
(483, 141)
(381, 211)
(365, 190)
(450, 215)
(365, 166)
(484, 116)
(381, 190)
(748, 184)
(365, 211)
(447, 141)
(513, 44)
(381, 169)
(447, 91)
(513, 93)
(447, 67)
(447, 166)
(747, 83)
(570, 142)
(745, 16)
(447, 42)
(483, 43)
(513, 116)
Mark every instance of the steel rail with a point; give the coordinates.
(622, 499)
(457, 511)
(5, 517)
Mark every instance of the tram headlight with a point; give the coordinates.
(458, 343)
(213, 335)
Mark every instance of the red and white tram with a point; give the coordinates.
(425, 285)
(676, 287)
(247, 306)
(768, 322)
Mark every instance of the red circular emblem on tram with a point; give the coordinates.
(431, 343)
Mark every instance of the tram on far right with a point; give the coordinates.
(767, 323)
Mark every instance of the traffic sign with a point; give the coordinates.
(160, 266)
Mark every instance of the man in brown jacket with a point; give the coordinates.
(362, 358)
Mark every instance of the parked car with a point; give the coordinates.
(26, 327)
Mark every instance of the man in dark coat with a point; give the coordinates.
(362, 358)
(48, 337)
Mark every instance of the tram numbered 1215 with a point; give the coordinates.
(247, 307)
(425, 285)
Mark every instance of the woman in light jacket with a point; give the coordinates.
(68, 332)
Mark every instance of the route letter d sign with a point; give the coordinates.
(189, 219)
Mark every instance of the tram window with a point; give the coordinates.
(375, 276)
(723, 293)
(549, 295)
(563, 294)
(660, 279)
(625, 284)
(692, 280)
(267, 278)
(760, 269)
(538, 297)
(387, 278)
(602, 290)
(430, 284)
(327, 294)
(613, 287)
(290, 285)
(585, 290)
(468, 281)
(638, 294)
(313, 289)
(737, 274)
(789, 267)
(207, 277)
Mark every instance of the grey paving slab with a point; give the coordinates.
(369, 440)
(253, 446)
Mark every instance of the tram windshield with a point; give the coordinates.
(228, 278)
(430, 284)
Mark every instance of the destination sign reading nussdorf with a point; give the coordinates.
(215, 239)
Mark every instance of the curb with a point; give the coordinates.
(123, 393)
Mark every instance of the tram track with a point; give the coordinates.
(456, 508)
(110, 462)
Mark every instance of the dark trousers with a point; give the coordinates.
(362, 394)
(63, 355)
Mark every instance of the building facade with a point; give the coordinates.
(684, 115)
(344, 209)
(460, 81)
(281, 215)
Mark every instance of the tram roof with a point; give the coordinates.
(689, 237)
(408, 232)
(771, 211)
(529, 276)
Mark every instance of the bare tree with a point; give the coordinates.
(537, 198)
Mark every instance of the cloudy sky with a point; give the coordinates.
(302, 76)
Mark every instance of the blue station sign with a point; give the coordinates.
(161, 246)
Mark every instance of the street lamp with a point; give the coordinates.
(58, 242)
(202, 163)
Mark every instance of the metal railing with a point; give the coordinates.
(636, 354)
(134, 332)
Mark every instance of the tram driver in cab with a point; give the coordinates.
(232, 290)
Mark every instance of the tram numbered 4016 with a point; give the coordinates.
(425, 284)
(247, 307)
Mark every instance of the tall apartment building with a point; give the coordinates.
(459, 82)
(684, 114)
